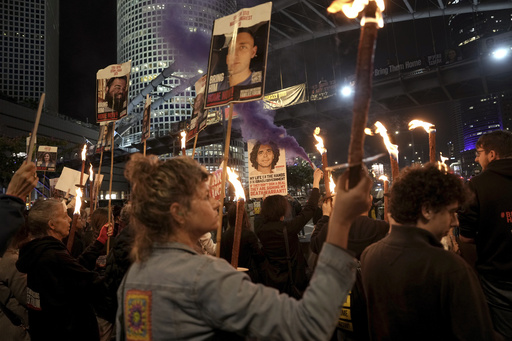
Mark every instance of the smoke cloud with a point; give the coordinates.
(258, 123)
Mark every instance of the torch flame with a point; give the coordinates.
(392, 148)
(91, 174)
(183, 139)
(233, 178)
(383, 178)
(368, 131)
(320, 144)
(443, 159)
(442, 167)
(78, 202)
(429, 127)
(352, 9)
(84, 152)
(332, 185)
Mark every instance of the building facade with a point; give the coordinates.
(30, 57)
(142, 39)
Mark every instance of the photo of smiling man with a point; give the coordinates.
(267, 169)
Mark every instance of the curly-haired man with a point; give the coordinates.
(415, 289)
(264, 157)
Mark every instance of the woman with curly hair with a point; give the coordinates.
(173, 292)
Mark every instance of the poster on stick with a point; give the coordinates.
(238, 56)
(68, 179)
(112, 92)
(46, 158)
(215, 184)
(200, 114)
(267, 169)
(104, 138)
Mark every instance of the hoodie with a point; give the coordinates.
(488, 219)
(58, 292)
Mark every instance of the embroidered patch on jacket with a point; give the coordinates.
(137, 315)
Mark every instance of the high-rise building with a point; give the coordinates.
(30, 55)
(141, 39)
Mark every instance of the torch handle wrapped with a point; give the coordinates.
(362, 96)
(71, 236)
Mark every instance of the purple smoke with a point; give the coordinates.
(258, 123)
(193, 47)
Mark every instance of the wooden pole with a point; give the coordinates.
(362, 97)
(326, 175)
(386, 200)
(224, 172)
(432, 144)
(110, 185)
(195, 143)
(71, 235)
(240, 208)
(34, 130)
(395, 170)
(97, 180)
(144, 151)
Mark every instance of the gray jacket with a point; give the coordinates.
(180, 295)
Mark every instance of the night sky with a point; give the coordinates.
(87, 43)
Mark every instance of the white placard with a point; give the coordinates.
(69, 178)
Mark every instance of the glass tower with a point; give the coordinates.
(140, 39)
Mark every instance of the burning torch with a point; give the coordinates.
(323, 152)
(240, 207)
(370, 22)
(431, 130)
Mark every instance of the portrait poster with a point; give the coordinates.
(200, 114)
(146, 118)
(104, 138)
(267, 169)
(238, 56)
(112, 92)
(46, 158)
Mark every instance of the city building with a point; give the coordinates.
(142, 39)
(30, 51)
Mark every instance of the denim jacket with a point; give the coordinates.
(178, 294)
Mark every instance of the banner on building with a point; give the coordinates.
(112, 92)
(238, 56)
(286, 97)
(46, 158)
(322, 90)
(267, 169)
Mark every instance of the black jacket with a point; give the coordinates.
(59, 292)
(271, 236)
(251, 256)
(488, 219)
(118, 262)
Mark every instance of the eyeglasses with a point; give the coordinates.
(478, 151)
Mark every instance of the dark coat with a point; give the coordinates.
(250, 256)
(59, 292)
(488, 220)
(416, 290)
(271, 236)
(118, 263)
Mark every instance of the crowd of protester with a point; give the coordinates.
(160, 279)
